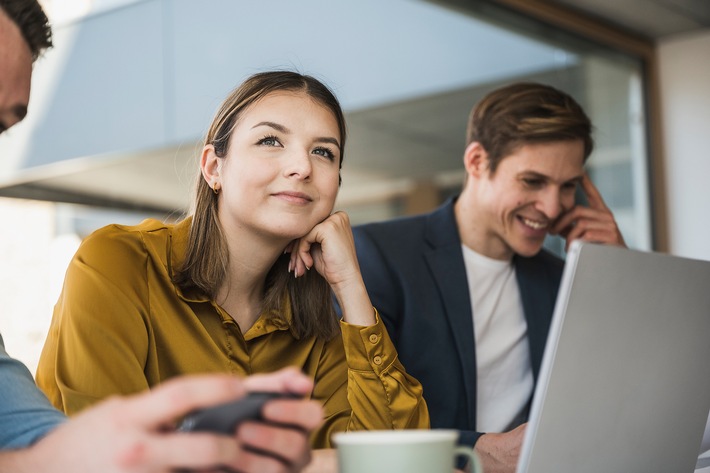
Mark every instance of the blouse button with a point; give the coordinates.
(373, 338)
(377, 360)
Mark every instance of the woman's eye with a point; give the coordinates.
(325, 152)
(269, 141)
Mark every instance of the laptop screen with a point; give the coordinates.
(625, 380)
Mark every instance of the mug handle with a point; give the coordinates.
(474, 465)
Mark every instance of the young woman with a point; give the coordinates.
(244, 284)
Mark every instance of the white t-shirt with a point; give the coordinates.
(505, 381)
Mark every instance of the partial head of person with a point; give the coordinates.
(24, 34)
(270, 169)
(526, 148)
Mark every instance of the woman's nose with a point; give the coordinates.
(299, 165)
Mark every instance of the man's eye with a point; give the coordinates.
(533, 182)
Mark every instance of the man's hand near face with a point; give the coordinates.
(594, 223)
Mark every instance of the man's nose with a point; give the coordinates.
(550, 203)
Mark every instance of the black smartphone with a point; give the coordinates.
(224, 418)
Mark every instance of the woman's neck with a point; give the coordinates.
(242, 292)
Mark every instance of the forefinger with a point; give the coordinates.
(306, 415)
(594, 197)
(175, 398)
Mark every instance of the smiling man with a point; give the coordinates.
(467, 292)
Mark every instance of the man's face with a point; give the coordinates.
(515, 207)
(15, 73)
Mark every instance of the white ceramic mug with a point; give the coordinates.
(401, 451)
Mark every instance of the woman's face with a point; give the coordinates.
(281, 172)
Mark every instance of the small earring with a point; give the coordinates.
(215, 189)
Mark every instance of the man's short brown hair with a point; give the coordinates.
(526, 113)
(32, 22)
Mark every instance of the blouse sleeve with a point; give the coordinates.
(98, 338)
(378, 394)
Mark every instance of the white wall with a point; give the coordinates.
(685, 100)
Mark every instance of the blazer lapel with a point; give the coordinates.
(445, 261)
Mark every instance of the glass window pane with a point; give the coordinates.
(407, 154)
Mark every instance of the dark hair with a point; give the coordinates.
(524, 113)
(32, 22)
(207, 258)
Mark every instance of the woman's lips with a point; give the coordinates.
(294, 197)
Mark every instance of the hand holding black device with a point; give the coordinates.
(225, 418)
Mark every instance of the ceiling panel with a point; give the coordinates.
(654, 19)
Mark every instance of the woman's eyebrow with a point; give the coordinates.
(273, 125)
(327, 139)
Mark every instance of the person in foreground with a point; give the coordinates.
(129, 434)
(135, 434)
(243, 285)
(467, 292)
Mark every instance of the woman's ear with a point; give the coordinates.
(210, 165)
(475, 160)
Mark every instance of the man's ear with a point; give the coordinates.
(210, 165)
(475, 160)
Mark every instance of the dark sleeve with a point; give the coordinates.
(382, 287)
(469, 437)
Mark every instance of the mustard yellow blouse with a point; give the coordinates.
(121, 326)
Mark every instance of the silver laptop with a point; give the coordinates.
(624, 385)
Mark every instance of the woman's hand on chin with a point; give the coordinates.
(329, 248)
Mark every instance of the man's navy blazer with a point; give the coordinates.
(415, 275)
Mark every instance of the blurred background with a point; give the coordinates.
(120, 104)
